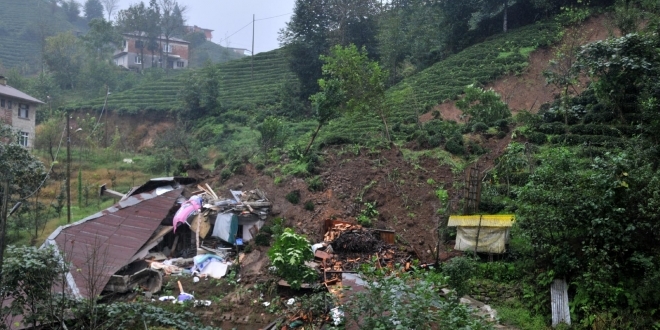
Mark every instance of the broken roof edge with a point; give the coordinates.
(69, 277)
(112, 209)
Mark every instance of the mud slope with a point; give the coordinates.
(529, 90)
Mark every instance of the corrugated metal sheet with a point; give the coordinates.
(111, 238)
(559, 300)
(487, 220)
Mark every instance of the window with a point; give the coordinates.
(23, 111)
(124, 44)
(168, 49)
(2, 103)
(179, 64)
(9, 105)
(23, 138)
(138, 59)
(139, 44)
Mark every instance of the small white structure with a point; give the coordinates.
(483, 233)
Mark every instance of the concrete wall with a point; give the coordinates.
(10, 117)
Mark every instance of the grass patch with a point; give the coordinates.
(517, 316)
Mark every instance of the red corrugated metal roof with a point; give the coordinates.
(101, 244)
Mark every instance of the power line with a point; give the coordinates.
(248, 24)
(263, 19)
(239, 30)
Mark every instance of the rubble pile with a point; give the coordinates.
(358, 240)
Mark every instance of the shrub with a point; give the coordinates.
(309, 206)
(479, 127)
(315, 184)
(475, 148)
(225, 174)
(293, 197)
(483, 105)
(368, 213)
(288, 255)
(460, 271)
(455, 146)
(537, 138)
(262, 239)
(435, 140)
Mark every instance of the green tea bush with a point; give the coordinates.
(309, 205)
(455, 146)
(537, 138)
(594, 140)
(479, 127)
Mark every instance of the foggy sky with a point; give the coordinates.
(226, 17)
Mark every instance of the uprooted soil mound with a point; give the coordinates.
(358, 240)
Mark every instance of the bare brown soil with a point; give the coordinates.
(529, 90)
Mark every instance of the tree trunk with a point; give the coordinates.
(313, 137)
(505, 21)
(387, 130)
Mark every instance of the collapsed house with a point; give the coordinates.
(152, 230)
(482, 233)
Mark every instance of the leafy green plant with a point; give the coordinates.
(368, 214)
(459, 270)
(406, 300)
(315, 183)
(482, 106)
(288, 255)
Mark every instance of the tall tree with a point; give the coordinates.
(71, 9)
(410, 32)
(306, 38)
(354, 22)
(93, 9)
(64, 57)
(110, 7)
(134, 21)
(153, 30)
(172, 23)
(101, 39)
(351, 84)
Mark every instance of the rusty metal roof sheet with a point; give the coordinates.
(13, 92)
(101, 244)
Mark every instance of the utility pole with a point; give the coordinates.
(252, 54)
(3, 220)
(68, 167)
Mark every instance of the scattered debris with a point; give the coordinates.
(166, 227)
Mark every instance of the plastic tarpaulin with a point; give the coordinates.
(491, 239)
(187, 209)
(226, 227)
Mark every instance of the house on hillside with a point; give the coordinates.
(240, 51)
(194, 28)
(175, 54)
(18, 110)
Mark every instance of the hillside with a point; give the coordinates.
(210, 51)
(238, 88)
(571, 169)
(23, 25)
